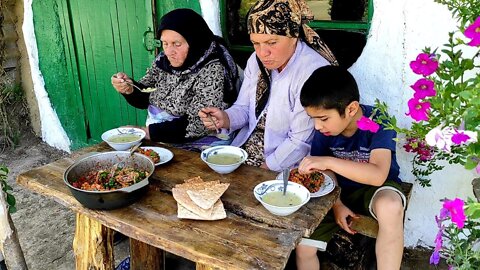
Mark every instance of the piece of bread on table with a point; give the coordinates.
(206, 198)
(217, 213)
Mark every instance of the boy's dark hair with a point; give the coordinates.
(330, 87)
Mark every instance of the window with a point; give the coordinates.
(342, 24)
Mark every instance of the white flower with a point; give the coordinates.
(442, 139)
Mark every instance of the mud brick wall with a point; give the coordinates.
(9, 53)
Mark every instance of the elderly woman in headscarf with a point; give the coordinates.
(272, 125)
(193, 71)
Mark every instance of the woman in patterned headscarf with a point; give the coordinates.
(273, 126)
(194, 70)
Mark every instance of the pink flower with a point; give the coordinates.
(365, 123)
(424, 64)
(418, 110)
(460, 137)
(464, 136)
(477, 169)
(439, 240)
(423, 88)
(473, 32)
(457, 213)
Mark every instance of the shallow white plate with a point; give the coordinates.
(327, 186)
(165, 154)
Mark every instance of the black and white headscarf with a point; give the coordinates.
(204, 46)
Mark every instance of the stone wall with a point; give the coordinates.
(14, 64)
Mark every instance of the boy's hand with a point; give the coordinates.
(311, 164)
(343, 216)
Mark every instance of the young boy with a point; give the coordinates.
(362, 162)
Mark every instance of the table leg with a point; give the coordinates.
(145, 257)
(92, 245)
(200, 266)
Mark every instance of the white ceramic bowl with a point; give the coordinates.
(224, 149)
(266, 187)
(121, 146)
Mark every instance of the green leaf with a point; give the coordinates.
(12, 209)
(470, 164)
(10, 199)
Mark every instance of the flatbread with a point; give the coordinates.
(194, 185)
(206, 198)
(217, 213)
(197, 179)
(181, 196)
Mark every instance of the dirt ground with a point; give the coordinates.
(45, 228)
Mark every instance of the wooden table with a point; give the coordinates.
(249, 238)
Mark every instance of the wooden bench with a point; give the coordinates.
(368, 226)
(364, 225)
(357, 252)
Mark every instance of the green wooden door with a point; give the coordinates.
(81, 44)
(108, 37)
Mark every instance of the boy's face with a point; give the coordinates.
(330, 123)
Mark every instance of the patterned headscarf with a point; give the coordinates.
(284, 18)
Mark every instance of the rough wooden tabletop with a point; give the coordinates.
(249, 238)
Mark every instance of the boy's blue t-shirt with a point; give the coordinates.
(357, 148)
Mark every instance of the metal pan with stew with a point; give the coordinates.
(97, 184)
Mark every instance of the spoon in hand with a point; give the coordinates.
(219, 135)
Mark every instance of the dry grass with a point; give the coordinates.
(13, 109)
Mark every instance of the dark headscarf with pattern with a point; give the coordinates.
(284, 18)
(204, 46)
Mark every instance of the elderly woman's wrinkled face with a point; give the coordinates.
(274, 51)
(175, 47)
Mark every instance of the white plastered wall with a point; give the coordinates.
(400, 30)
(51, 128)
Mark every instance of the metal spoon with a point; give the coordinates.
(286, 174)
(116, 165)
(217, 130)
(132, 84)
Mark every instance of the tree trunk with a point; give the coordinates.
(476, 188)
(10, 245)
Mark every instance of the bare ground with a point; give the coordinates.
(45, 228)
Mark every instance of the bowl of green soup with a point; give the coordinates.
(270, 195)
(224, 158)
(123, 138)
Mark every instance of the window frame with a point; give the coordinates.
(352, 26)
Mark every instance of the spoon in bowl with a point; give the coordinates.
(217, 130)
(122, 162)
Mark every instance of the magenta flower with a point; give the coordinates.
(457, 213)
(418, 110)
(424, 64)
(423, 88)
(460, 137)
(365, 123)
(473, 32)
(477, 169)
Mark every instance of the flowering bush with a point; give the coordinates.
(445, 105)
(458, 237)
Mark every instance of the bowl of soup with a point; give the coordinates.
(224, 158)
(123, 138)
(270, 195)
